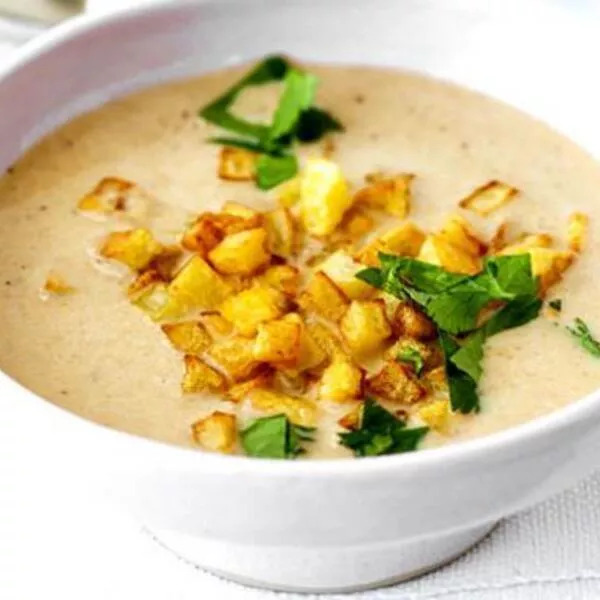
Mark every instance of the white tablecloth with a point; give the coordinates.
(56, 544)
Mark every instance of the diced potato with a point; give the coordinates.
(365, 326)
(404, 240)
(291, 382)
(195, 286)
(278, 342)
(526, 242)
(113, 195)
(355, 224)
(143, 282)
(436, 415)
(299, 411)
(288, 193)
(235, 356)
(239, 391)
(436, 380)
(251, 307)
(311, 354)
(395, 382)
(135, 248)
(188, 336)
(391, 305)
(324, 196)
(57, 285)
(325, 339)
(153, 299)
(216, 324)
(499, 239)
(341, 381)
(165, 261)
(237, 164)
(281, 234)
(577, 231)
(241, 253)
(391, 194)
(549, 265)
(324, 297)
(200, 377)
(241, 210)
(489, 197)
(351, 420)
(209, 229)
(438, 251)
(411, 322)
(342, 270)
(430, 354)
(458, 232)
(217, 432)
(284, 278)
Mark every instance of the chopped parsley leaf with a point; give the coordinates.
(274, 437)
(582, 333)
(273, 170)
(380, 432)
(413, 357)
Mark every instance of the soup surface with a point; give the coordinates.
(95, 354)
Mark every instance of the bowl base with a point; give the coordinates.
(322, 569)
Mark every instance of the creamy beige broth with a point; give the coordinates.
(94, 354)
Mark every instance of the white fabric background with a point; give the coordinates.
(55, 543)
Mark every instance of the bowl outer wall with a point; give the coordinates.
(84, 63)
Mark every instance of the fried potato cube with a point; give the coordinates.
(404, 240)
(278, 342)
(281, 232)
(430, 354)
(114, 195)
(355, 224)
(143, 282)
(325, 339)
(458, 232)
(165, 261)
(391, 194)
(489, 197)
(216, 324)
(288, 193)
(153, 299)
(236, 357)
(249, 308)
(395, 382)
(526, 242)
(577, 231)
(196, 285)
(365, 326)
(499, 239)
(549, 265)
(411, 322)
(135, 248)
(284, 278)
(239, 391)
(299, 411)
(439, 251)
(217, 432)
(199, 377)
(241, 253)
(324, 297)
(351, 420)
(237, 164)
(341, 269)
(436, 380)
(190, 337)
(436, 415)
(311, 354)
(324, 196)
(57, 285)
(241, 210)
(341, 381)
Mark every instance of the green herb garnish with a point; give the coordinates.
(295, 119)
(381, 432)
(275, 437)
(582, 333)
(413, 357)
(555, 304)
(455, 303)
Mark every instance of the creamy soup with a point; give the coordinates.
(93, 353)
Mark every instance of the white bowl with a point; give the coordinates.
(329, 525)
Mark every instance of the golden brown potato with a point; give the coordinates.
(135, 248)
(404, 240)
(281, 233)
(499, 239)
(577, 231)
(142, 282)
(395, 382)
(216, 324)
(152, 299)
(165, 261)
(199, 377)
(365, 326)
(391, 194)
(239, 391)
(342, 270)
(299, 411)
(311, 354)
(241, 253)
(284, 278)
(489, 197)
(355, 224)
(324, 297)
(351, 420)
(436, 381)
(549, 265)
(278, 342)
(436, 415)
(190, 337)
(237, 164)
(236, 357)
(325, 338)
(430, 354)
(341, 381)
(459, 233)
(439, 251)
(241, 210)
(57, 285)
(288, 193)
(114, 195)
(526, 242)
(217, 432)
(251, 307)
(409, 321)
